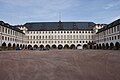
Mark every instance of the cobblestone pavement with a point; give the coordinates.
(60, 65)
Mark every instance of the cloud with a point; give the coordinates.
(112, 4)
(36, 9)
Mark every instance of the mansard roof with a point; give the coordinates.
(113, 24)
(42, 26)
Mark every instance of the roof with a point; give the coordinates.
(42, 26)
(113, 24)
(10, 26)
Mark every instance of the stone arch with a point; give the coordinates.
(117, 45)
(54, 46)
(90, 46)
(60, 46)
(14, 46)
(103, 46)
(72, 46)
(66, 46)
(21, 46)
(85, 46)
(79, 46)
(107, 46)
(47, 46)
(4, 46)
(17, 45)
(9, 46)
(111, 46)
(100, 47)
(97, 46)
(35, 46)
(26, 46)
(29, 47)
(41, 46)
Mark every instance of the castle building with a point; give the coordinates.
(61, 35)
(11, 36)
(109, 36)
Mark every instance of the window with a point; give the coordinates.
(39, 37)
(2, 37)
(42, 37)
(115, 38)
(79, 41)
(64, 41)
(33, 37)
(118, 36)
(39, 41)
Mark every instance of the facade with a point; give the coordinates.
(11, 36)
(109, 36)
(61, 35)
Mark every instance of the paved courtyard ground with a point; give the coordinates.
(60, 65)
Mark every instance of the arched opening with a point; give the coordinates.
(107, 46)
(30, 47)
(117, 45)
(85, 46)
(35, 47)
(17, 45)
(21, 47)
(54, 46)
(26, 47)
(94, 46)
(9, 46)
(66, 46)
(4, 46)
(100, 46)
(41, 46)
(72, 46)
(111, 46)
(90, 46)
(60, 46)
(79, 46)
(48, 47)
(97, 46)
(103, 46)
(14, 46)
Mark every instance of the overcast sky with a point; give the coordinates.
(22, 11)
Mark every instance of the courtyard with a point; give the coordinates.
(60, 65)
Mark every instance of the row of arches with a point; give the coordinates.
(108, 46)
(12, 46)
(85, 46)
(56, 47)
